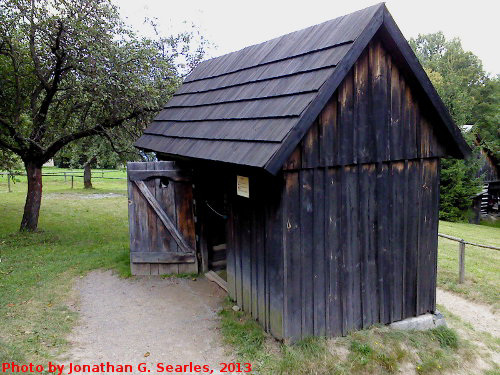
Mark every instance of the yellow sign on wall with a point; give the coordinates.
(243, 186)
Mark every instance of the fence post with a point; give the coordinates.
(8, 183)
(102, 174)
(461, 272)
(71, 181)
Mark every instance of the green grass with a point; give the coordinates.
(58, 184)
(378, 350)
(489, 223)
(482, 281)
(37, 270)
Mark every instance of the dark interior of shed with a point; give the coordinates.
(211, 212)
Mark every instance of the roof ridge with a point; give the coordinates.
(203, 65)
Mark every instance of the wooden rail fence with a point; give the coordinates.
(461, 253)
(10, 176)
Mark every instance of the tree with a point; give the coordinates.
(70, 70)
(487, 115)
(9, 161)
(460, 80)
(101, 152)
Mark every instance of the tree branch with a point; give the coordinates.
(34, 56)
(40, 118)
(112, 144)
(61, 142)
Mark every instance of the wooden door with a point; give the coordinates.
(161, 219)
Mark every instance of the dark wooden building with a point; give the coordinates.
(310, 164)
(486, 204)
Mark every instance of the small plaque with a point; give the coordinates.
(243, 186)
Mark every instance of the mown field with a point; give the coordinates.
(482, 266)
(81, 230)
(77, 234)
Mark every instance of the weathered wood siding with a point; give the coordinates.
(147, 232)
(374, 116)
(360, 245)
(348, 236)
(255, 252)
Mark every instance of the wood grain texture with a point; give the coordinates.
(154, 210)
(374, 116)
(373, 259)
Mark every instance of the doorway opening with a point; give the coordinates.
(212, 227)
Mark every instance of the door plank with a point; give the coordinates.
(162, 257)
(164, 217)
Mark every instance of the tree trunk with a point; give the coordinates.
(33, 197)
(87, 176)
(87, 173)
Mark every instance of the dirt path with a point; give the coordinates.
(480, 316)
(147, 319)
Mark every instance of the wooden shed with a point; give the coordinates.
(308, 166)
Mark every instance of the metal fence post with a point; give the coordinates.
(461, 272)
(8, 183)
(64, 176)
(71, 181)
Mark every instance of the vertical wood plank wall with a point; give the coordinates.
(255, 253)
(373, 259)
(350, 239)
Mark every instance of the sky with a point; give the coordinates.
(233, 25)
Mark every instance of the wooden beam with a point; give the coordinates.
(212, 276)
(161, 257)
(178, 237)
(141, 175)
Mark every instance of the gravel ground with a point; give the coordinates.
(147, 320)
(480, 316)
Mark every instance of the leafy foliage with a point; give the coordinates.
(487, 114)
(71, 70)
(472, 98)
(9, 161)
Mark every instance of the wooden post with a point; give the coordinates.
(461, 274)
(71, 181)
(8, 183)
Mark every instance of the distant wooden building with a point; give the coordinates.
(487, 202)
(309, 164)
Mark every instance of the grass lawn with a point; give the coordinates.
(37, 270)
(78, 234)
(482, 266)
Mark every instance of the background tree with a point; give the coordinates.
(70, 70)
(9, 162)
(487, 115)
(465, 89)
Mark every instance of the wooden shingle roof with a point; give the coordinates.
(253, 106)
